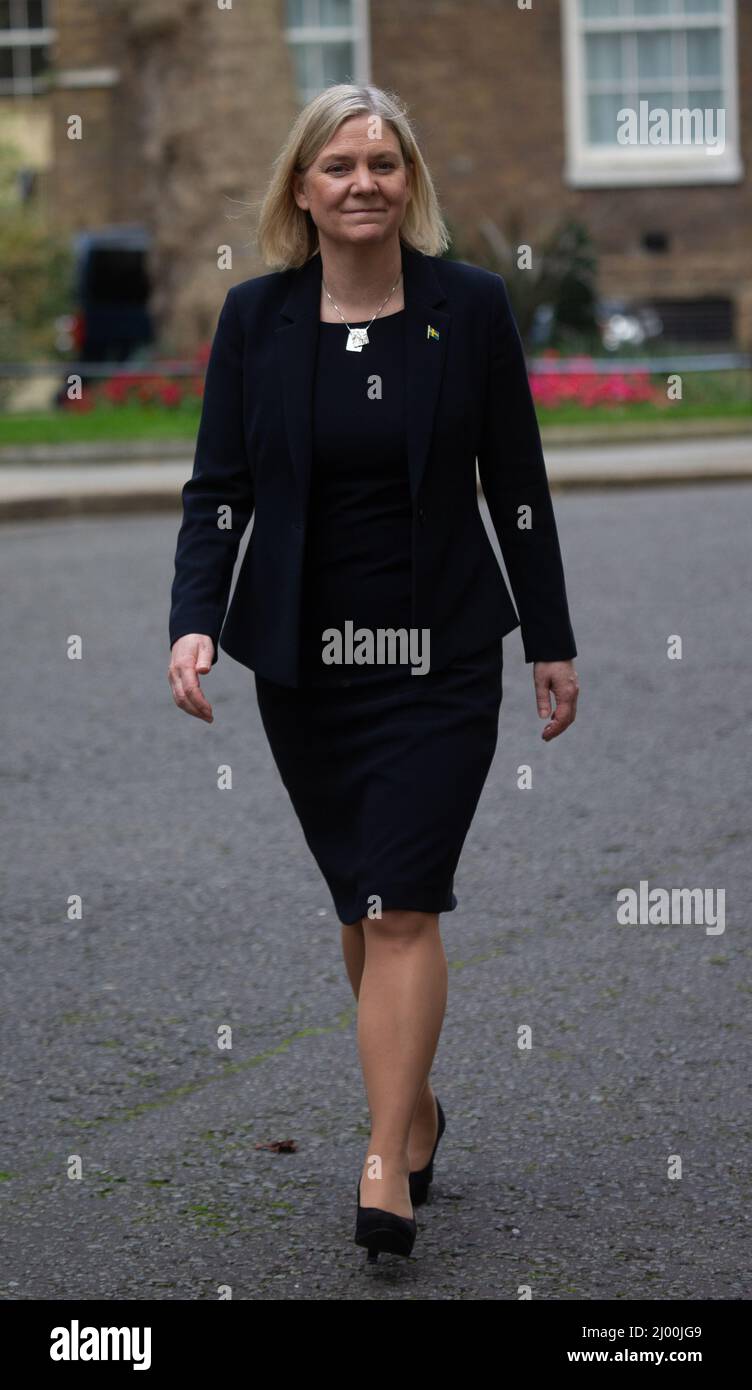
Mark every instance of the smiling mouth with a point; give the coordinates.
(352, 212)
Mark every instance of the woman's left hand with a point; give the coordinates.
(561, 678)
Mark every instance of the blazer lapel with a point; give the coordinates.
(426, 335)
(297, 342)
(425, 355)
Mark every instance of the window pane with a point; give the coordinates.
(336, 12)
(602, 9)
(294, 13)
(603, 56)
(664, 101)
(702, 6)
(39, 60)
(307, 70)
(652, 7)
(706, 100)
(654, 55)
(602, 114)
(6, 62)
(338, 62)
(703, 53)
(4, 14)
(35, 11)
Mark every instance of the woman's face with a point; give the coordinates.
(357, 187)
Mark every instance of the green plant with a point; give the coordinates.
(35, 273)
(562, 274)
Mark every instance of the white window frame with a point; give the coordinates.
(612, 166)
(357, 33)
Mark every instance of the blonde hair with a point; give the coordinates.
(286, 234)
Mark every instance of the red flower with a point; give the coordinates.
(588, 388)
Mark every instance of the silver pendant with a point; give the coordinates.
(357, 338)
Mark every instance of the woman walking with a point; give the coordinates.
(347, 397)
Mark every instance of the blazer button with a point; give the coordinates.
(421, 514)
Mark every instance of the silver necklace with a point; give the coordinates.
(357, 338)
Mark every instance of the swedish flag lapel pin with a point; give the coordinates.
(431, 332)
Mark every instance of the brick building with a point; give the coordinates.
(185, 104)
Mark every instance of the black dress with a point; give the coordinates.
(384, 767)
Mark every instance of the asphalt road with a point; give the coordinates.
(611, 1160)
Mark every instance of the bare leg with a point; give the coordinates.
(402, 999)
(424, 1127)
(354, 952)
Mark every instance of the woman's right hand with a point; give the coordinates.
(191, 654)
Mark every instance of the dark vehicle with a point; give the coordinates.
(111, 320)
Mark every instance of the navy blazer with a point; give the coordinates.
(468, 397)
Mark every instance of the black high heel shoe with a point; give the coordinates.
(383, 1230)
(422, 1178)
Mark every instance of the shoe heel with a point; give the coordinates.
(421, 1179)
(379, 1230)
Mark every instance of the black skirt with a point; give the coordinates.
(385, 775)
